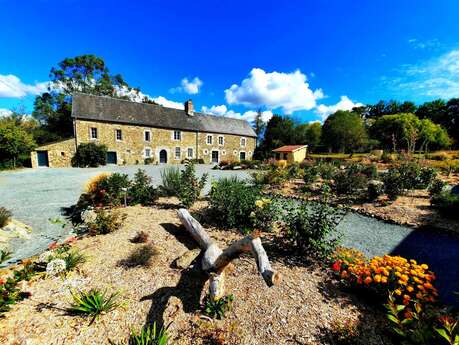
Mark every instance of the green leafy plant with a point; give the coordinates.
(141, 190)
(170, 181)
(232, 201)
(93, 302)
(446, 203)
(5, 255)
(150, 335)
(190, 186)
(326, 170)
(312, 228)
(310, 174)
(73, 258)
(112, 190)
(217, 309)
(90, 155)
(375, 189)
(436, 186)
(105, 222)
(351, 180)
(5, 216)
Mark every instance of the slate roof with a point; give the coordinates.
(107, 109)
(289, 148)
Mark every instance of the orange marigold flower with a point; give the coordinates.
(409, 288)
(384, 280)
(398, 292)
(377, 278)
(368, 280)
(424, 266)
(344, 274)
(428, 286)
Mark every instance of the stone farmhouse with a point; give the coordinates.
(135, 133)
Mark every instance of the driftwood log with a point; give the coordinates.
(215, 260)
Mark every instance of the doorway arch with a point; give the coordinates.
(163, 156)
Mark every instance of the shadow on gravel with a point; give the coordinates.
(188, 289)
(441, 252)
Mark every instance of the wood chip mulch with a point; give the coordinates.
(303, 309)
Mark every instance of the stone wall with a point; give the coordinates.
(59, 154)
(131, 149)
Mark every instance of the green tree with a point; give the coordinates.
(259, 124)
(451, 122)
(279, 131)
(309, 134)
(85, 73)
(15, 141)
(344, 131)
(433, 135)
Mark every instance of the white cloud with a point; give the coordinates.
(344, 104)
(168, 103)
(190, 87)
(222, 110)
(5, 112)
(12, 87)
(437, 77)
(424, 44)
(288, 91)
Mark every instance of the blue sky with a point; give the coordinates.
(300, 58)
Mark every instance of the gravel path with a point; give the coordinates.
(36, 195)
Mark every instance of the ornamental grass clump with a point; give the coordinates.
(170, 181)
(150, 335)
(409, 281)
(217, 308)
(93, 303)
(5, 216)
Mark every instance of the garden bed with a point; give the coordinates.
(303, 309)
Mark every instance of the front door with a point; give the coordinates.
(242, 156)
(42, 157)
(163, 156)
(111, 157)
(214, 156)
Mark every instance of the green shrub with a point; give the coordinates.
(90, 155)
(105, 222)
(170, 181)
(141, 190)
(232, 201)
(370, 171)
(410, 173)
(326, 170)
(265, 214)
(436, 186)
(312, 228)
(93, 302)
(113, 189)
(5, 216)
(350, 180)
(148, 161)
(217, 309)
(141, 256)
(426, 176)
(375, 189)
(190, 186)
(150, 335)
(393, 185)
(293, 170)
(447, 203)
(310, 174)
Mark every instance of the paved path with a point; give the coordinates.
(35, 195)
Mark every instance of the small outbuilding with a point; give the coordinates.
(291, 153)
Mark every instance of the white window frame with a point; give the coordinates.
(90, 133)
(149, 135)
(222, 137)
(116, 134)
(175, 153)
(211, 139)
(177, 137)
(145, 152)
(243, 139)
(188, 151)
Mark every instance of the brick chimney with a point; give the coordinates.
(189, 108)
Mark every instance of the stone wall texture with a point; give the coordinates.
(59, 153)
(132, 147)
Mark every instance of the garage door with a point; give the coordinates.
(42, 157)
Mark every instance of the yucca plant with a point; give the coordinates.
(72, 259)
(217, 309)
(5, 255)
(93, 302)
(150, 335)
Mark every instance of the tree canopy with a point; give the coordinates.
(14, 141)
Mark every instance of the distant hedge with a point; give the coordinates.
(90, 155)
